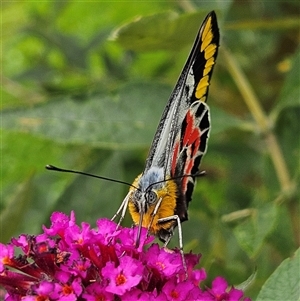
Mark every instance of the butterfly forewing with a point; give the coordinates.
(191, 86)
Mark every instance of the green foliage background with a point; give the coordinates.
(84, 85)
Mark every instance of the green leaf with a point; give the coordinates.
(13, 213)
(283, 284)
(162, 31)
(121, 122)
(252, 232)
(126, 121)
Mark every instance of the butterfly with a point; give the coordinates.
(158, 198)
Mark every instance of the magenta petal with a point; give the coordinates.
(219, 285)
(235, 295)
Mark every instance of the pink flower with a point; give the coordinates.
(6, 255)
(123, 277)
(167, 263)
(220, 291)
(70, 262)
(180, 291)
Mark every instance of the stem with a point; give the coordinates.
(246, 91)
(261, 119)
(264, 125)
(279, 162)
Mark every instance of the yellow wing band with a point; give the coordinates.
(209, 50)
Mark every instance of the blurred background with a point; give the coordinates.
(84, 85)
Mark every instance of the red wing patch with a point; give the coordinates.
(190, 146)
(191, 136)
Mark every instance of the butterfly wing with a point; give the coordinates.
(191, 87)
(179, 143)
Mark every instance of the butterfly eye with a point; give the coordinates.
(136, 195)
(151, 197)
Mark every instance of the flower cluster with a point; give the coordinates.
(69, 262)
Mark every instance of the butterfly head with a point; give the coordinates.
(152, 197)
(146, 190)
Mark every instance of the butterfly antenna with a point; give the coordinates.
(54, 168)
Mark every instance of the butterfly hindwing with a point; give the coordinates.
(189, 148)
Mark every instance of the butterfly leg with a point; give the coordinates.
(177, 219)
(153, 214)
(122, 209)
